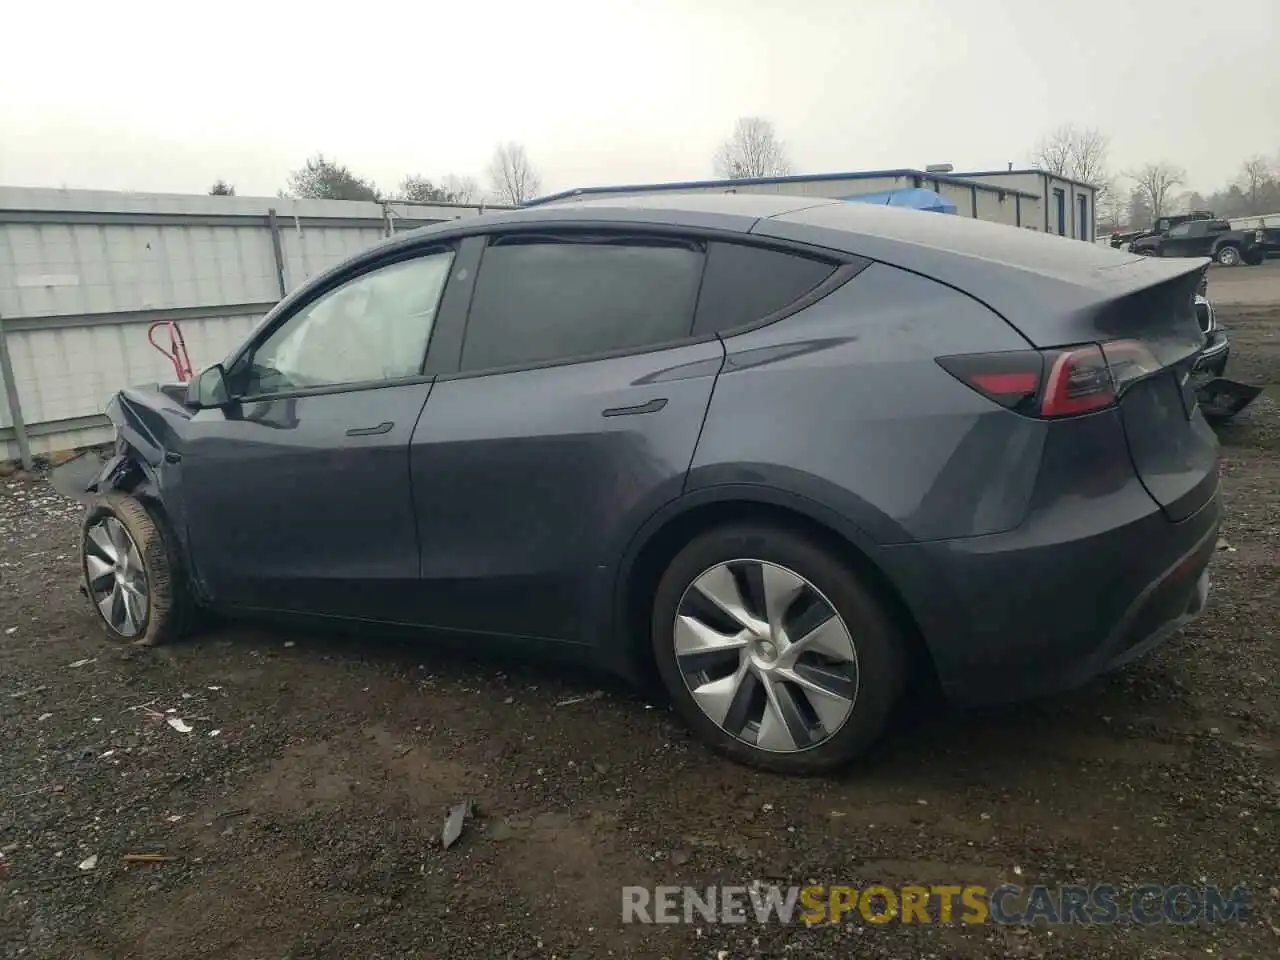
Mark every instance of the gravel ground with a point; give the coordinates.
(302, 811)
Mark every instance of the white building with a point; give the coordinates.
(1020, 198)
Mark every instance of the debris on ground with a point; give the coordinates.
(82, 663)
(179, 724)
(89, 863)
(147, 858)
(593, 695)
(458, 813)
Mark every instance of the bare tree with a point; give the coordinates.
(1156, 181)
(1079, 153)
(752, 151)
(1255, 173)
(221, 188)
(512, 175)
(461, 189)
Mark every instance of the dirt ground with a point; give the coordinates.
(302, 812)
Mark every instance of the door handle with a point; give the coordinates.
(384, 427)
(653, 406)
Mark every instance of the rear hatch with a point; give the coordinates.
(1174, 450)
(1148, 333)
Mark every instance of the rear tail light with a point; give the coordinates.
(1065, 382)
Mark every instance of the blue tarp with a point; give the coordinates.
(916, 198)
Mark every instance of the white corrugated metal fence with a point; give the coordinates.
(83, 274)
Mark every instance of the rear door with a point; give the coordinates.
(573, 416)
(1179, 242)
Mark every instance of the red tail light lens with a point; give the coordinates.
(1054, 383)
(1010, 379)
(1078, 382)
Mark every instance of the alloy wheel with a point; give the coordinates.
(116, 577)
(765, 655)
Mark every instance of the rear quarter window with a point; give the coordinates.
(743, 284)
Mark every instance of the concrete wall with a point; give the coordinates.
(83, 274)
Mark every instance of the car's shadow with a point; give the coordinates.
(926, 734)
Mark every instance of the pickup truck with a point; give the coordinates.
(1163, 225)
(1205, 238)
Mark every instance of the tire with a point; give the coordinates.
(1228, 255)
(117, 525)
(1255, 259)
(745, 725)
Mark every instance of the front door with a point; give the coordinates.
(574, 418)
(297, 494)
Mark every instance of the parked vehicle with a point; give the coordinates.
(1162, 225)
(1219, 398)
(1268, 225)
(778, 453)
(1205, 238)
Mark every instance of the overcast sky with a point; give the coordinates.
(170, 96)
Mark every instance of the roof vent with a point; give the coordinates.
(939, 168)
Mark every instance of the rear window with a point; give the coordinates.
(744, 284)
(549, 298)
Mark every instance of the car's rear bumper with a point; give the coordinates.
(1047, 607)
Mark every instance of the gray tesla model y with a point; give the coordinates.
(777, 452)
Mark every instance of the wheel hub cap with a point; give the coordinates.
(116, 577)
(766, 656)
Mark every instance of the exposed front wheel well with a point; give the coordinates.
(661, 548)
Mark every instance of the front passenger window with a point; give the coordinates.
(372, 328)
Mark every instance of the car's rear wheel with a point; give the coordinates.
(1229, 256)
(130, 575)
(774, 651)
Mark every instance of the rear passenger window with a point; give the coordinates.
(554, 298)
(744, 284)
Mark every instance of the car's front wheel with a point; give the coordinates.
(130, 574)
(774, 651)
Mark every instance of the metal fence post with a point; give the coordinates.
(277, 249)
(15, 407)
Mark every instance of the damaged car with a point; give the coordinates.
(775, 455)
(1220, 398)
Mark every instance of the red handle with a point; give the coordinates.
(177, 352)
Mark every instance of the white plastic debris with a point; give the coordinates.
(89, 863)
(106, 754)
(10, 631)
(594, 695)
(453, 823)
(45, 716)
(214, 733)
(82, 663)
(178, 724)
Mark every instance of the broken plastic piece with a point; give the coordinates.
(178, 724)
(453, 823)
